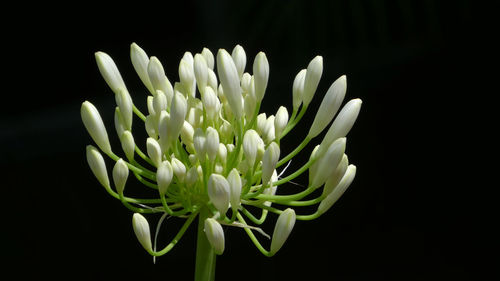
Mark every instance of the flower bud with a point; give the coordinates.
(97, 165)
(261, 75)
(261, 122)
(212, 143)
(187, 133)
(280, 121)
(179, 169)
(218, 192)
(298, 89)
(200, 72)
(343, 122)
(151, 125)
(154, 151)
(251, 142)
(124, 102)
(164, 176)
(249, 106)
(240, 59)
(282, 230)
(178, 112)
(186, 75)
(120, 175)
(160, 101)
(119, 124)
(191, 176)
(344, 183)
(141, 230)
(163, 125)
(158, 78)
(329, 106)
(225, 130)
(234, 181)
(212, 80)
(268, 130)
(327, 163)
(269, 161)
(140, 61)
(210, 103)
(230, 81)
(200, 141)
(336, 176)
(94, 125)
(128, 144)
(209, 57)
(150, 105)
(222, 153)
(110, 72)
(215, 235)
(311, 80)
(246, 79)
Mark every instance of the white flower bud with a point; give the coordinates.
(215, 235)
(163, 125)
(200, 72)
(280, 121)
(212, 143)
(120, 175)
(200, 141)
(329, 106)
(282, 230)
(222, 153)
(311, 81)
(94, 125)
(140, 61)
(219, 192)
(178, 112)
(251, 142)
(240, 59)
(336, 176)
(249, 106)
(225, 130)
(151, 126)
(298, 88)
(235, 185)
(124, 102)
(128, 144)
(191, 176)
(119, 126)
(158, 78)
(343, 122)
(268, 130)
(179, 169)
(218, 169)
(246, 79)
(160, 101)
(212, 80)
(97, 165)
(154, 151)
(187, 133)
(141, 230)
(164, 176)
(210, 103)
(327, 163)
(261, 75)
(344, 183)
(261, 122)
(209, 57)
(269, 161)
(230, 81)
(110, 72)
(186, 75)
(150, 104)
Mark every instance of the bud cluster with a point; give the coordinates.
(210, 151)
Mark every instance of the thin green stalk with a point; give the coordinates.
(253, 238)
(294, 152)
(205, 255)
(177, 237)
(292, 124)
(139, 113)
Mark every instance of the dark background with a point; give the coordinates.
(417, 210)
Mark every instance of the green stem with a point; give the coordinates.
(294, 152)
(205, 255)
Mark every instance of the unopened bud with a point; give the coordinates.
(97, 165)
(234, 181)
(215, 235)
(200, 72)
(128, 144)
(298, 89)
(240, 59)
(120, 175)
(261, 75)
(344, 183)
(191, 176)
(209, 57)
(282, 230)
(212, 143)
(218, 192)
(269, 161)
(343, 122)
(140, 61)
(95, 126)
(230, 81)
(178, 112)
(154, 151)
(311, 81)
(141, 230)
(200, 141)
(186, 75)
(327, 163)
(109, 72)
(280, 121)
(164, 176)
(179, 169)
(251, 142)
(158, 78)
(160, 101)
(336, 176)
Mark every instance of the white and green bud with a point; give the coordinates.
(269, 161)
(343, 122)
(211, 103)
(268, 130)
(261, 75)
(151, 126)
(212, 143)
(164, 176)
(120, 175)
(240, 59)
(186, 75)
(163, 125)
(341, 187)
(280, 121)
(178, 112)
(158, 78)
(200, 144)
(249, 106)
(336, 176)
(219, 192)
(212, 80)
(110, 72)
(141, 230)
(261, 122)
(128, 144)
(235, 186)
(230, 81)
(179, 169)
(298, 89)
(97, 165)
(282, 229)
(150, 104)
(160, 102)
(246, 80)
(327, 163)
(222, 153)
(191, 176)
(154, 151)
(124, 102)
(140, 61)
(95, 126)
(209, 57)
(200, 72)
(311, 80)
(329, 106)
(119, 124)
(251, 143)
(215, 235)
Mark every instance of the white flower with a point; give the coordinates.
(215, 235)
(120, 175)
(282, 229)
(94, 125)
(141, 230)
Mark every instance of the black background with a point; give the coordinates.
(417, 210)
